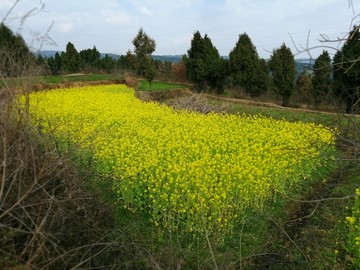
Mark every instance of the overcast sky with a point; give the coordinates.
(111, 25)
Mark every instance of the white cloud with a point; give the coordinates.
(115, 17)
(7, 4)
(144, 10)
(172, 22)
(64, 26)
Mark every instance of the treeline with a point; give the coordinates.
(73, 61)
(337, 79)
(91, 61)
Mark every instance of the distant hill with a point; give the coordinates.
(168, 58)
(48, 54)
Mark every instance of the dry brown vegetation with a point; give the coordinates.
(48, 220)
(195, 102)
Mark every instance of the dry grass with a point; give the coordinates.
(50, 217)
(195, 102)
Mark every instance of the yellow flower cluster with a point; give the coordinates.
(200, 171)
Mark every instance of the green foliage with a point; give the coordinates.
(16, 58)
(282, 67)
(55, 64)
(204, 64)
(247, 70)
(194, 62)
(144, 46)
(218, 74)
(90, 57)
(321, 79)
(125, 62)
(107, 64)
(150, 71)
(217, 66)
(347, 71)
(70, 59)
(86, 60)
(263, 79)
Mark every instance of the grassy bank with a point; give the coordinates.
(67, 80)
(157, 85)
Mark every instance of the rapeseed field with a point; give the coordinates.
(199, 172)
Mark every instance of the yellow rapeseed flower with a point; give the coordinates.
(205, 170)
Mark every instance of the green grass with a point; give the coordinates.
(77, 78)
(156, 85)
(58, 79)
(143, 84)
(289, 114)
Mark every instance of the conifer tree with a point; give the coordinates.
(321, 79)
(90, 58)
(283, 70)
(216, 66)
(71, 59)
(247, 70)
(58, 61)
(107, 63)
(204, 65)
(347, 71)
(196, 69)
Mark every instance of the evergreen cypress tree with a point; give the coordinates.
(90, 58)
(107, 64)
(347, 71)
(196, 69)
(262, 83)
(282, 67)
(58, 61)
(321, 80)
(71, 60)
(246, 68)
(204, 64)
(216, 66)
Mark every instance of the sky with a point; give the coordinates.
(111, 25)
